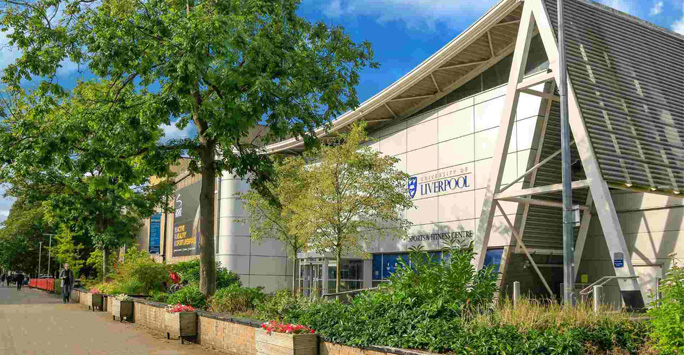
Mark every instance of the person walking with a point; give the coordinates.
(2, 279)
(19, 278)
(67, 277)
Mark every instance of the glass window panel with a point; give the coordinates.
(493, 257)
(377, 266)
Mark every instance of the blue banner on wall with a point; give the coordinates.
(155, 233)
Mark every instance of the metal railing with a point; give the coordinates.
(349, 293)
(587, 291)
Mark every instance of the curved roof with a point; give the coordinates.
(480, 46)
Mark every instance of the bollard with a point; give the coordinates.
(598, 297)
(516, 293)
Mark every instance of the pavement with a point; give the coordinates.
(36, 322)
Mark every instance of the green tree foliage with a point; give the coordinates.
(274, 217)
(84, 161)
(225, 66)
(667, 315)
(67, 251)
(20, 237)
(355, 195)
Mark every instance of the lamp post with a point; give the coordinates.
(49, 252)
(568, 213)
(40, 253)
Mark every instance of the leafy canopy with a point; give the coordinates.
(355, 195)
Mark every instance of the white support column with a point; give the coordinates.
(368, 273)
(324, 278)
(505, 129)
(610, 223)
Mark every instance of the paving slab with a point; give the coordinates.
(36, 322)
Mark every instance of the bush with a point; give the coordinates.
(282, 306)
(158, 296)
(189, 296)
(139, 266)
(667, 317)
(235, 299)
(190, 271)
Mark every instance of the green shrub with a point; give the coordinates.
(158, 296)
(189, 296)
(190, 271)
(130, 287)
(282, 306)
(139, 266)
(234, 299)
(667, 317)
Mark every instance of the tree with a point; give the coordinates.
(66, 251)
(20, 237)
(225, 66)
(274, 217)
(355, 195)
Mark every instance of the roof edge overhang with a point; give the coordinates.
(424, 69)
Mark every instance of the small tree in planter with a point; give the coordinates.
(95, 299)
(122, 307)
(286, 339)
(181, 321)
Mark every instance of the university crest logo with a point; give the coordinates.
(412, 186)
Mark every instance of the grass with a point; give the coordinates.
(531, 314)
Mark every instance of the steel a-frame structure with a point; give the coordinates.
(535, 19)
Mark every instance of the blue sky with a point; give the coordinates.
(403, 34)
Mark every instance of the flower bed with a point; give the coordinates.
(282, 338)
(95, 300)
(180, 321)
(122, 307)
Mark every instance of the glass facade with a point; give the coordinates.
(384, 265)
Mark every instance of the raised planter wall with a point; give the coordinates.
(228, 334)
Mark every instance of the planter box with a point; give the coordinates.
(285, 344)
(180, 325)
(95, 300)
(122, 309)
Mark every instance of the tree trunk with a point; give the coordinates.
(338, 272)
(294, 276)
(105, 261)
(206, 201)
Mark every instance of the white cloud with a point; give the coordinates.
(414, 13)
(173, 132)
(678, 26)
(8, 54)
(657, 8)
(620, 5)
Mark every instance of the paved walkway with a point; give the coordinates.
(35, 322)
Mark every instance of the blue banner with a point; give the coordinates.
(155, 233)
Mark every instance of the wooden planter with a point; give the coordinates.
(122, 309)
(181, 325)
(285, 344)
(95, 300)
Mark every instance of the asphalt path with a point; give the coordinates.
(35, 322)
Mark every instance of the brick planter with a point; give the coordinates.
(95, 300)
(122, 309)
(285, 344)
(180, 325)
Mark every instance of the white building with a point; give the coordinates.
(469, 124)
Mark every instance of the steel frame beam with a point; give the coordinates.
(541, 190)
(534, 12)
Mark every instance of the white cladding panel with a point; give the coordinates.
(448, 151)
(258, 263)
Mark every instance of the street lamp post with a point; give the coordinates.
(49, 252)
(568, 213)
(40, 253)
